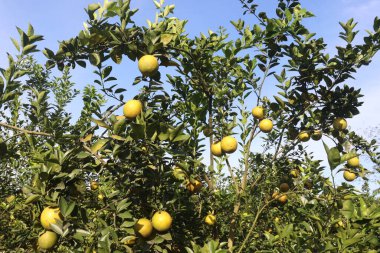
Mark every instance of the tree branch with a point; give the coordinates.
(24, 130)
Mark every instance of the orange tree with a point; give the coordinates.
(140, 182)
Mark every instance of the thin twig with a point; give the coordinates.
(233, 176)
(24, 130)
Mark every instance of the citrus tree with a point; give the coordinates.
(186, 165)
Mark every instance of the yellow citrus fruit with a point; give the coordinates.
(210, 219)
(277, 220)
(266, 125)
(148, 65)
(275, 195)
(216, 149)
(353, 162)
(304, 136)
(340, 124)
(282, 199)
(284, 187)
(143, 227)
(49, 216)
(132, 109)
(47, 240)
(258, 112)
(100, 197)
(229, 144)
(161, 221)
(316, 135)
(194, 186)
(349, 176)
(94, 185)
(295, 173)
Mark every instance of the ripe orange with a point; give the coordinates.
(94, 185)
(266, 125)
(216, 149)
(275, 195)
(49, 216)
(194, 186)
(258, 112)
(143, 227)
(339, 124)
(353, 162)
(349, 176)
(148, 65)
(304, 136)
(316, 135)
(210, 219)
(284, 187)
(47, 240)
(229, 144)
(295, 173)
(282, 199)
(132, 109)
(161, 221)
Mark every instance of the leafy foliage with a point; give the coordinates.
(104, 171)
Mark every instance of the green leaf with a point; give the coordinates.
(122, 205)
(65, 207)
(333, 156)
(98, 145)
(93, 7)
(30, 30)
(100, 123)
(116, 55)
(363, 208)
(32, 198)
(182, 138)
(286, 231)
(106, 72)
(348, 156)
(348, 209)
(1, 86)
(166, 38)
(15, 43)
(125, 215)
(56, 228)
(29, 49)
(167, 236)
(280, 101)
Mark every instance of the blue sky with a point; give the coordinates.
(58, 20)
